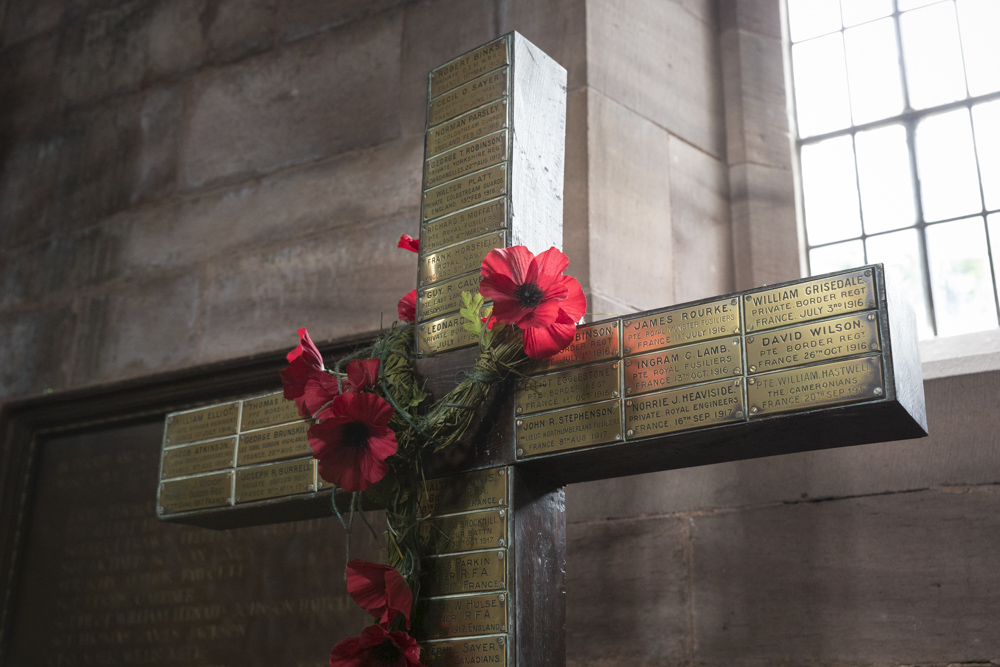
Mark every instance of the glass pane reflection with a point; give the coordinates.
(830, 191)
(933, 56)
(960, 277)
(900, 252)
(836, 257)
(873, 71)
(884, 173)
(986, 119)
(820, 85)
(946, 164)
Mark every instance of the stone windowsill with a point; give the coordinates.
(977, 352)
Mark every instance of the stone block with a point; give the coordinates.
(23, 19)
(301, 18)
(149, 327)
(29, 86)
(351, 189)
(576, 228)
(883, 580)
(284, 109)
(699, 217)
(957, 453)
(237, 28)
(631, 241)
(557, 27)
(343, 282)
(760, 16)
(627, 599)
(36, 348)
(177, 42)
(662, 62)
(765, 227)
(28, 181)
(160, 121)
(434, 33)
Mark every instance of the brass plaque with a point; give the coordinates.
(592, 343)
(446, 296)
(458, 259)
(466, 159)
(572, 428)
(680, 326)
(808, 343)
(701, 362)
(468, 127)
(683, 409)
(475, 572)
(457, 227)
(441, 618)
(815, 386)
(466, 191)
(446, 333)
(277, 479)
(273, 444)
(195, 493)
(214, 421)
(269, 410)
(481, 489)
(810, 300)
(574, 387)
(482, 60)
(475, 93)
(464, 532)
(203, 457)
(455, 652)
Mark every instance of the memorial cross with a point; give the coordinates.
(828, 361)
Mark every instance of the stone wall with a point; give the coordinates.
(187, 181)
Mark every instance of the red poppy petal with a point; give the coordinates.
(398, 595)
(371, 471)
(406, 309)
(575, 303)
(373, 635)
(371, 409)
(363, 373)
(366, 583)
(347, 653)
(547, 310)
(319, 392)
(543, 342)
(497, 286)
(511, 262)
(407, 242)
(343, 467)
(295, 376)
(382, 442)
(324, 435)
(547, 267)
(307, 350)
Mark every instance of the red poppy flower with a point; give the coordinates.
(380, 590)
(353, 441)
(319, 391)
(532, 293)
(407, 242)
(490, 323)
(406, 309)
(305, 364)
(362, 373)
(377, 648)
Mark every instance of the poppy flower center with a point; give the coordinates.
(528, 295)
(386, 653)
(354, 435)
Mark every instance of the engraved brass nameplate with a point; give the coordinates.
(807, 343)
(680, 326)
(572, 428)
(475, 93)
(446, 296)
(815, 386)
(481, 489)
(683, 409)
(466, 191)
(688, 364)
(592, 343)
(465, 532)
(468, 127)
(469, 66)
(461, 226)
(475, 572)
(273, 444)
(446, 333)
(275, 480)
(441, 618)
(203, 424)
(457, 259)
(466, 159)
(478, 651)
(195, 493)
(573, 387)
(809, 300)
(203, 457)
(268, 410)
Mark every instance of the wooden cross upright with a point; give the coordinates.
(828, 361)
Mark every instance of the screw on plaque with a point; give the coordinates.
(630, 433)
(750, 339)
(500, 641)
(871, 317)
(752, 381)
(519, 410)
(736, 330)
(628, 362)
(520, 452)
(628, 323)
(628, 403)
(753, 369)
(628, 390)
(868, 272)
(739, 414)
(736, 371)
(501, 472)
(500, 542)
(520, 421)
(628, 350)
(753, 410)
(878, 391)
(733, 302)
(500, 555)
(501, 512)
(618, 436)
(614, 325)
(311, 487)
(501, 597)
(614, 365)
(614, 394)
(747, 297)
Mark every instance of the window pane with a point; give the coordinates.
(830, 191)
(900, 253)
(993, 222)
(859, 11)
(836, 257)
(986, 118)
(960, 277)
(884, 173)
(873, 71)
(933, 57)
(980, 22)
(949, 182)
(913, 4)
(820, 85)
(812, 18)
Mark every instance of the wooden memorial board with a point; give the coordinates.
(493, 174)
